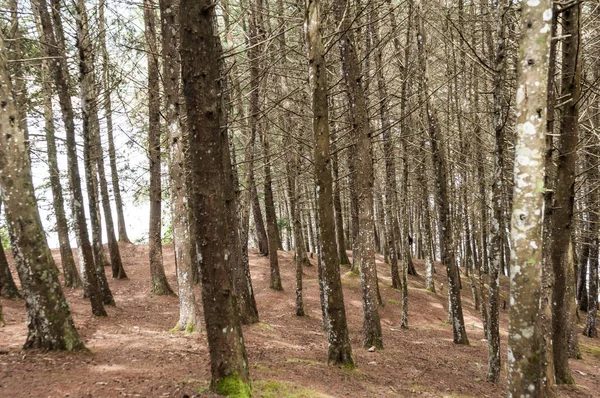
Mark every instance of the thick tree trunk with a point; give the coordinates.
(159, 285)
(201, 70)
(55, 48)
(49, 322)
(339, 349)
(527, 217)
(189, 319)
(562, 216)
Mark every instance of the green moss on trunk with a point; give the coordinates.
(233, 386)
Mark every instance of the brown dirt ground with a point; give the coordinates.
(133, 352)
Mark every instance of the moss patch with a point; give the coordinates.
(265, 326)
(590, 349)
(305, 361)
(283, 389)
(234, 387)
(395, 302)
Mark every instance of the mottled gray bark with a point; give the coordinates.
(528, 200)
(49, 322)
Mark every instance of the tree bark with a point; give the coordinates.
(527, 217)
(442, 196)
(70, 274)
(201, 70)
(159, 285)
(189, 319)
(107, 104)
(49, 322)
(365, 245)
(562, 216)
(91, 139)
(56, 49)
(339, 349)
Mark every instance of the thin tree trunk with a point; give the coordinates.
(339, 349)
(372, 336)
(55, 48)
(497, 228)
(442, 196)
(562, 216)
(8, 288)
(159, 284)
(71, 276)
(91, 139)
(107, 104)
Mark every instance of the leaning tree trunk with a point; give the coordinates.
(90, 132)
(159, 285)
(339, 349)
(56, 49)
(528, 200)
(49, 322)
(71, 276)
(201, 71)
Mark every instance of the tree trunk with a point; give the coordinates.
(442, 196)
(562, 216)
(91, 139)
(107, 104)
(49, 322)
(189, 319)
(160, 285)
(201, 70)
(363, 153)
(339, 350)
(527, 216)
(497, 228)
(271, 218)
(71, 276)
(8, 288)
(56, 49)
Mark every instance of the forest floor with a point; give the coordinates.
(134, 353)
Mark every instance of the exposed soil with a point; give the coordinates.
(133, 353)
